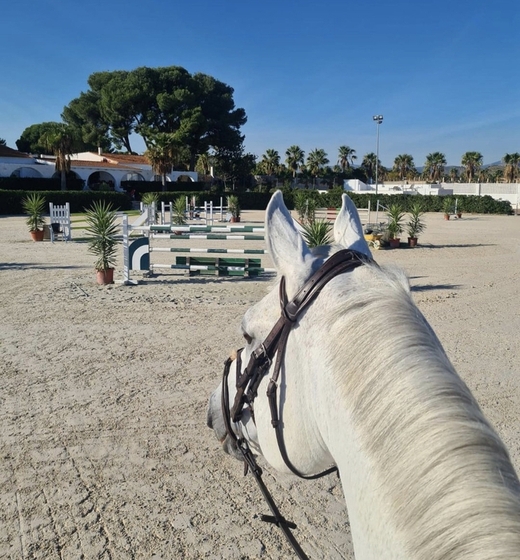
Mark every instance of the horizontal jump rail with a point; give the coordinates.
(194, 267)
(210, 236)
(201, 229)
(199, 250)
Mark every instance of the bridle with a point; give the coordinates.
(269, 355)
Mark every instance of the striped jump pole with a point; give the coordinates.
(215, 251)
(203, 229)
(210, 236)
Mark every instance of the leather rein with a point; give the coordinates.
(270, 354)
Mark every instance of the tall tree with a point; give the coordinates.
(369, 165)
(454, 175)
(316, 161)
(61, 139)
(346, 157)
(404, 166)
(512, 163)
(163, 153)
(197, 109)
(294, 157)
(270, 162)
(472, 161)
(434, 166)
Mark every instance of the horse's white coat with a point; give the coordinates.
(367, 385)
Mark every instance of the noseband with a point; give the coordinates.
(270, 354)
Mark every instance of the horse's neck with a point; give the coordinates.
(424, 475)
(400, 509)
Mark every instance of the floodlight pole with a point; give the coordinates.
(378, 119)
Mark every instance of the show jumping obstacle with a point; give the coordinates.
(136, 252)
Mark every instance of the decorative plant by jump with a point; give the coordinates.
(102, 230)
(305, 207)
(317, 232)
(447, 205)
(151, 199)
(233, 206)
(179, 211)
(34, 207)
(415, 225)
(395, 221)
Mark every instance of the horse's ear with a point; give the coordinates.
(289, 252)
(348, 230)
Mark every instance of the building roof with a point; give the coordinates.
(105, 164)
(5, 151)
(125, 158)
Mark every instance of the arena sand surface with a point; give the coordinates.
(104, 449)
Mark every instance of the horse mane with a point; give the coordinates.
(446, 473)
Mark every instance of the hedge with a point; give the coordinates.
(11, 201)
(39, 184)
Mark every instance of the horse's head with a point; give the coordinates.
(294, 390)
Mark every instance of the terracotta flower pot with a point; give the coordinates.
(446, 216)
(412, 242)
(395, 242)
(235, 220)
(37, 235)
(104, 277)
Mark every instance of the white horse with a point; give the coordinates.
(366, 385)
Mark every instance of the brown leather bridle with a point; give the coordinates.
(270, 352)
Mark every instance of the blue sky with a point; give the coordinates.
(443, 74)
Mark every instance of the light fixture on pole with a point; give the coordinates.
(378, 119)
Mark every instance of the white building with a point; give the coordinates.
(91, 167)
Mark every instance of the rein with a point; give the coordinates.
(270, 354)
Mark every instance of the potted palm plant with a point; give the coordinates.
(395, 224)
(179, 211)
(415, 225)
(234, 207)
(34, 207)
(316, 233)
(102, 230)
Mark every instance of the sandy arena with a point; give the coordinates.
(104, 449)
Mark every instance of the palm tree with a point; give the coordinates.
(472, 161)
(294, 157)
(346, 157)
(454, 174)
(163, 154)
(60, 139)
(204, 163)
(404, 165)
(369, 165)
(316, 161)
(270, 162)
(434, 166)
(512, 162)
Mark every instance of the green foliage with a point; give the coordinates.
(233, 204)
(305, 205)
(317, 232)
(447, 205)
(196, 109)
(102, 230)
(11, 201)
(179, 211)
(395, 220)
(415, 224)
(40, 184)
(34, 207)
(150, 198)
